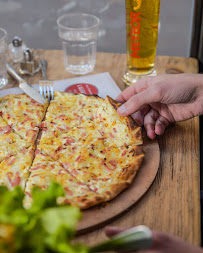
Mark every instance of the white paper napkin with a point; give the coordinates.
(103, 81)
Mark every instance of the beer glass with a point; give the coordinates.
(142, 18)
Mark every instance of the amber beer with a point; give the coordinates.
(142, 18)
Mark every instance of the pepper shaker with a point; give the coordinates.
(16, 49)
(30, 64)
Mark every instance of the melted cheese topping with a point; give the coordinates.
(23, 114)
(14, 170)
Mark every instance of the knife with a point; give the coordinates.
(28, 89)
(136, 238)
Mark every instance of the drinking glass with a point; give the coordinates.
(3, 51)
(78, 33)
(142, 19)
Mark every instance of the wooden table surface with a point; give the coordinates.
(173, 202)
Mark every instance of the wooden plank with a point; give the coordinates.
(172, 204)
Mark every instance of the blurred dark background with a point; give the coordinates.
(35, 22)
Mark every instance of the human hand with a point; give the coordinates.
(155, 102)
(162, 243)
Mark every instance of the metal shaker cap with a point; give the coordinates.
(27, 54)
(17, 41)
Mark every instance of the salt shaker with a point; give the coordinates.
(16, 49)
(30, 63)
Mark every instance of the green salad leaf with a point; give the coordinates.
(43, 228)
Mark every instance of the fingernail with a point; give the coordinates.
(122, 109)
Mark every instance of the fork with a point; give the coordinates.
(46, 86)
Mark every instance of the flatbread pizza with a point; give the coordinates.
(83, 144)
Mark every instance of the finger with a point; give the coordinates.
(149, 123)
(138, 118)
(139, 115)
(160, 125)
(124, 96)
(111, 231)
(134, 89)
(120, 98)
(137, 101)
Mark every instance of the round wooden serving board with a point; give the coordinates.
(99, 216)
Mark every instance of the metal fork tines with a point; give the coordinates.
(46, 87)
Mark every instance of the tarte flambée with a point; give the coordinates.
(84, 145)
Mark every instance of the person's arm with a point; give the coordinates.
(162, 242)
(155, 102)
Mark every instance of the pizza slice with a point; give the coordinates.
(14, 170)
(97, 120)
(23, 114)
(91, 132)
(45, 170)
(99, 167)
(116, 130)
(69, 110)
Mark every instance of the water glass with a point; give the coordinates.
(3, 50)
(78, 33)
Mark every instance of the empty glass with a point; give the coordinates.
(3, 50)
(78, 33)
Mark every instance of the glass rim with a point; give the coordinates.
(5, 33)
(78, 14)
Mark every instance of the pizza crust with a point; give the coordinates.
(83, 202)
(133, 128)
